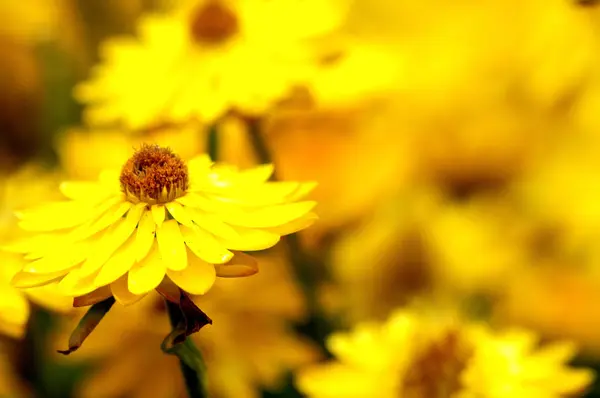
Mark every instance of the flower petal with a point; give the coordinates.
(144, 236)
(197, 278)
(118, 264)
(294, 226)
(55, 216)
(270, 216)
(158, 214)
(112, 239)
(179, 213)
(74, 284)
(171, 245)
(62, 259)
(120, 291)
(24, 279)
(240, 265)
(251, 239)
(112, 215)
(146, 275)
(84, 191)
(213, 224)
(205, 246)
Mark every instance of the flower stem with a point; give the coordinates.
(190, 359)
(212, 144)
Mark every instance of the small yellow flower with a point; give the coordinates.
(206, 58)
(415, 356)
(158, 222)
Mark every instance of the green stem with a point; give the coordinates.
(188, 353)
(212, 145)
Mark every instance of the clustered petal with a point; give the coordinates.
(108, 239)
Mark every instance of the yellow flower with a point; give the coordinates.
(510, 365)
(23, 188)
(206, 58)
(157, 223)
(415, 355)
(249, 345)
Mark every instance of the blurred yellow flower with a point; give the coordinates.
(205, 58)
(416, 355)
(249, 345)
(190, 226)
(24, 188)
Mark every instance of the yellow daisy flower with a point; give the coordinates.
(412, 355)
(205, 58)
(157, 224)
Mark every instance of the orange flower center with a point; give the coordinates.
(154, 175)
(436, 372)
(213, 23)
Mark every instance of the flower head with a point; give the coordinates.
(415, 356)
(206, 58)
(156, 224)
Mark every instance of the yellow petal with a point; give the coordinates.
(24, 279)
(84, 190)
(60, 260)
(171, 245)
(205, 246)
(199, 165)
(112, 215)
(55, 216)
(197, 278)
(251, 239)
(213, 224)
(158, 214)
(147, 274)
(74, 284)
(303, 189)
(294, 226)
(240, 265)
(120, 291)
(112, 239)
(256, 175)
(144, 236)
(179, 213)
(270, 216)
(119, 263)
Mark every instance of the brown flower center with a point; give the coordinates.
(213, 23)
(154, 175)
(436, 373)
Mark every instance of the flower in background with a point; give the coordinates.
(205, 58)
(417, 355)
(22, 189)
(250, 344)
(156, 224)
